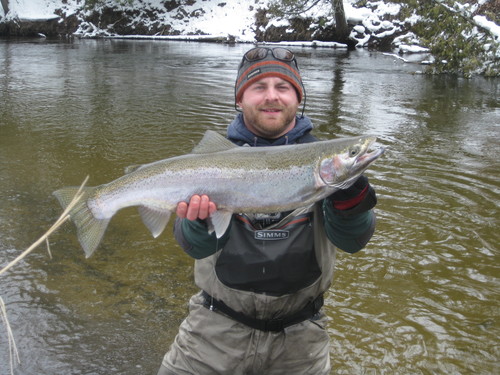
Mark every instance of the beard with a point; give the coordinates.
(270, 125)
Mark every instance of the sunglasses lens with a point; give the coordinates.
(283, 54)
(256, 54)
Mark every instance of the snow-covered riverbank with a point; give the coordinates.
(235, 19)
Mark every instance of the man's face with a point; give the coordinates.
(269, 107)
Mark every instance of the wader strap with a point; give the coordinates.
(270, 325)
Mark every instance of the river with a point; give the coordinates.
(422, 298)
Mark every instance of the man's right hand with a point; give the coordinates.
(199, 207)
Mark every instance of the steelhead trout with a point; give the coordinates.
(237, 179)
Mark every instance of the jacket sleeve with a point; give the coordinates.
(348, 233)
(349, 216)
(195, 240)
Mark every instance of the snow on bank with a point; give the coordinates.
(32, 9)
(235, 18)
(492, 27)
(313, 43)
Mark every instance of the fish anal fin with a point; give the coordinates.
(213, 142)
(154, 219)
(90, 235)
(219, 221)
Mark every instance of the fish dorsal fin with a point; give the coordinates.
(213, 142)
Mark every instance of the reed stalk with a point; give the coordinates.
(13, 352)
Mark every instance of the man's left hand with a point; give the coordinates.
(359, 197)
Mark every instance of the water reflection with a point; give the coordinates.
(421, 299)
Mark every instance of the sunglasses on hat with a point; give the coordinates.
(260, 53)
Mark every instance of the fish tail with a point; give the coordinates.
(90, 230)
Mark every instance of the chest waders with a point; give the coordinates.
(232, 331)
(270, 278)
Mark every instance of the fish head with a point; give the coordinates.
(342, 166)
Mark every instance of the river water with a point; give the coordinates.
(422, 298)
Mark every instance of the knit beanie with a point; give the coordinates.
(252, 71)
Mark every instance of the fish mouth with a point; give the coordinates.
(343, 169)
(369, 157)
(366, 158)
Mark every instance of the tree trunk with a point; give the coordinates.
(340, 21)
(5, 5)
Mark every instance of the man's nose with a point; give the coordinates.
(272, 94)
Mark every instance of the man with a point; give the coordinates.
(262, 282)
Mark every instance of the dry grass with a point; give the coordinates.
(13, 353)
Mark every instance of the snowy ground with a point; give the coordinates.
(32, 9)
(236, 19)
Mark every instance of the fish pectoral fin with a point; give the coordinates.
(154, 219)
(218, 222)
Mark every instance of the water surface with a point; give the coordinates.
(422, 298)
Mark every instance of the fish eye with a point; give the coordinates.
(353, 151)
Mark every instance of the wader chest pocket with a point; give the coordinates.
(275, 262)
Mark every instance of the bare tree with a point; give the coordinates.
(340, 20)
(297, 7)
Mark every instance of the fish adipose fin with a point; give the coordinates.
(218, 222)
(155, 220)
(89, 229)
(213, 142)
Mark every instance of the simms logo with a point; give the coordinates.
(270, 235)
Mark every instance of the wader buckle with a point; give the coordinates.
(273, 325)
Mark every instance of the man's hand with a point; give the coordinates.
(358, 198)
(199, 207)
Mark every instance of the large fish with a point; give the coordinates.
(237, 179)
